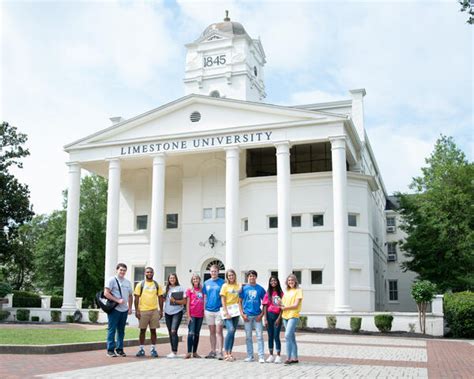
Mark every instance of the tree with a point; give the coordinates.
(423, 292)
(50, 246)
(439, 219)
(15, 207)
(466, 6)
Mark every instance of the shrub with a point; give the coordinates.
(93, 316)
(356, 323)
(5, 289)
(35, 318)
(26, 299)
(56, 316)
(56, 301)
(383, 322)
(331, 321)
(459, 313)
(23, 314)
(69, 318)
(4, 315)
(411, 327)
(303, 322)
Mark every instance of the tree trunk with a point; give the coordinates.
(418, 306)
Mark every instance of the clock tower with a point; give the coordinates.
(225, 62)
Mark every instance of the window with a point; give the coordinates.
(215, 94)
(391, 221)
(245, 225)
(220, 212)
(273, 222)
(315, 157)
(392, 251)
(318, 220)
(172, 221)
(352, 220)
(207, 213)
(169, 270)
(261, 162)
(298, 275)
(138, 275)
(393, 290)
(296, 221)
(316, 277)
(142, 222)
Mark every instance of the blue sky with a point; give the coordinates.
(67, 66)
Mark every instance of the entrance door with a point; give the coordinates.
(206, 272)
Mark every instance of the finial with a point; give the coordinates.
(226, 16)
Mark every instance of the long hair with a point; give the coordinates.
(277, 288)
(196, 275)
(296, 281)
(230, 271)
(168, 282)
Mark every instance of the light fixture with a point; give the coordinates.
(211, 241)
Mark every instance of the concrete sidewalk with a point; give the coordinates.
(320, 355)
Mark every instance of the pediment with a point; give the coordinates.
(197, 114)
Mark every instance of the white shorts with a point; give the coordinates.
(213, 318)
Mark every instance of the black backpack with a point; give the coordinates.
(105, 304)
(142, 283)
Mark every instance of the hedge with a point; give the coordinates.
(459, 313)
(383, 322)
(56, 301)
(93, 316)
(5, 289)
(4, 315)
(56, 316)
(23, 315)
(331, 321)
(356, 323)
(26, 299)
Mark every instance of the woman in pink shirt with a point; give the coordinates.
(195, 313)
(272, 317)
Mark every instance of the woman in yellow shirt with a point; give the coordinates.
(230, 311)
(291, 307)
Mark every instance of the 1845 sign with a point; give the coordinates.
(215, 60)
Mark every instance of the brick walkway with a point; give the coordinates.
(320, 355)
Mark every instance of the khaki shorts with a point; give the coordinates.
(149, 318)
(213, 318)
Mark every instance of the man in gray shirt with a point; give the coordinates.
(118, 289)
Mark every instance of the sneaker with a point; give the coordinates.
(278, 359)
(261, 360)
(211, 355)
(153, 353)
(120, 353)
(248, 359)
(171, 355)
(270, 359)
(219, 356)
(111, 354)
(140, 353)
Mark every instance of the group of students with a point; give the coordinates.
(216, 301)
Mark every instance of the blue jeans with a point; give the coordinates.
(116, 325)
(172, 323)
(194, 328)
(290, 329)
(249, 325)
(273, 332)
(230, 325)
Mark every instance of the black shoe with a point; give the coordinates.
(120, 353)
(111, 354)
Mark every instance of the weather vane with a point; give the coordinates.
(226, 16)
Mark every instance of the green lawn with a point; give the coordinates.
(20, 336)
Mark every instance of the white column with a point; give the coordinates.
(232, 208)
(285, 266)
(72, 235)
(113, 204)
(341, 252)
(157, 215)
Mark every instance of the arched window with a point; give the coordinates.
(216, 262)
(206, 272)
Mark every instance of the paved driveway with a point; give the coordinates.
(320, 356)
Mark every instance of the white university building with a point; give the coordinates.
(220, 176)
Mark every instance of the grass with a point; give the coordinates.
(20, 336)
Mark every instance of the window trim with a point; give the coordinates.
(312, 220)
(390, 291)
(268, 222)
(311, 277)
(177, 221)
(301, 220)
(136, 222)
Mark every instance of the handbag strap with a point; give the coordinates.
(120, 288)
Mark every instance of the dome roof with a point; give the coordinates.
(226, 26)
